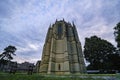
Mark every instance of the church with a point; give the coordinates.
(62, 51)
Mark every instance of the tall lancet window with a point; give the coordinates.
(59, 67)
(59, 31)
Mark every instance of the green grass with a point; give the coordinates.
(118, 76)
(24, 76)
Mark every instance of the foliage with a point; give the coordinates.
(99, 53)
(2, 61)
(7, 55)
(117, 34)
(8, 52)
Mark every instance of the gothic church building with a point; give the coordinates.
(62, 52)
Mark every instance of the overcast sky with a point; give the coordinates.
(24, 23)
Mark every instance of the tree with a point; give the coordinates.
(117, 39)
(117, 35)
(7, 54)
(97, 52)
(115, 59)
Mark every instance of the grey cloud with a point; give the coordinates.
(27, 26)
(5, 8)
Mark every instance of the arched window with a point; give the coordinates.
(59, 31)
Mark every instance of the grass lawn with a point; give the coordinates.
(24, 76)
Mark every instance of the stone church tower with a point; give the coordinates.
(62, 52)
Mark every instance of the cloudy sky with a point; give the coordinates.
(24, 23)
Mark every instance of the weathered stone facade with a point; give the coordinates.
(62, 52)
